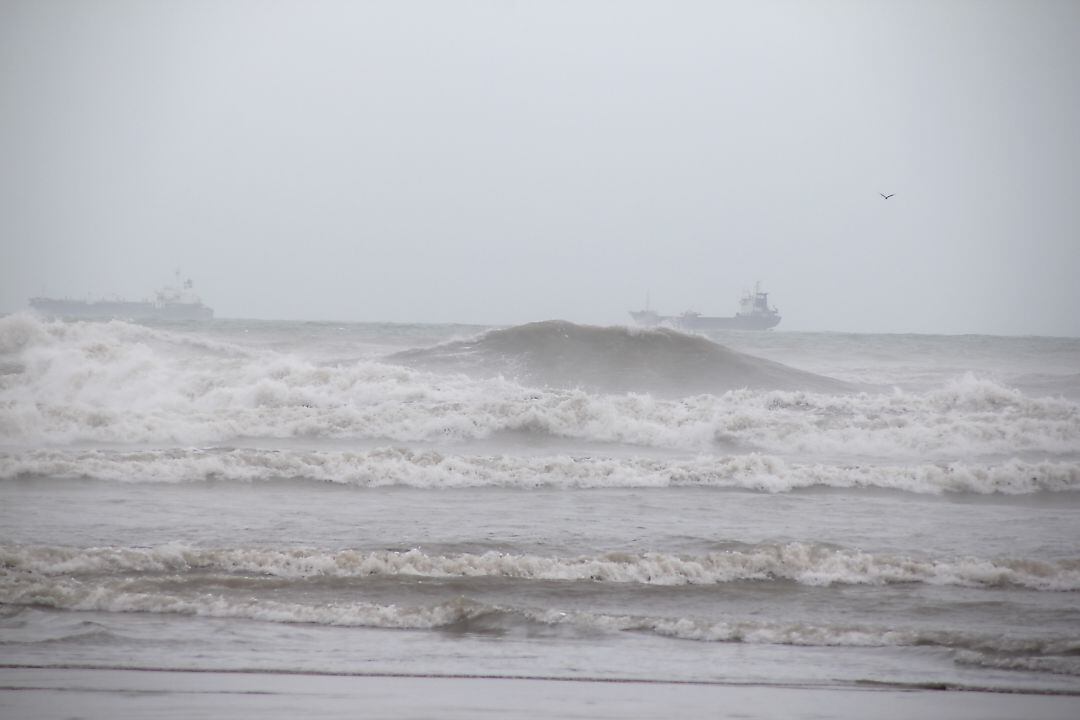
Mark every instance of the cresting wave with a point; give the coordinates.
(1056, 654)
(803, 563)
(556, 353)
(117, 383)
(396, 466)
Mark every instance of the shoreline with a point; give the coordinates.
(117, 694)
(855, 686)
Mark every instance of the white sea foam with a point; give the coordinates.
(1059, 662)
(121, 383)
(397, 466)
(803, 563)
(124, 596)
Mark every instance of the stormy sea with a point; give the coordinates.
(548, 501)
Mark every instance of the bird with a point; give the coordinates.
(886, 196)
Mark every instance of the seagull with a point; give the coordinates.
(886, 196)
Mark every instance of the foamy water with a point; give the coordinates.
(550, 499)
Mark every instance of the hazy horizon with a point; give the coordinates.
(500, 163)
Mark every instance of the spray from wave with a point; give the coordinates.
(118, 383)
(398, 466)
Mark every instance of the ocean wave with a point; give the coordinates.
(802, 563)
(461, 614)
(117, 383)
(556, 353)
(398, 466)
(1061, 661)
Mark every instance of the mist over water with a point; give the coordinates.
(502, 163)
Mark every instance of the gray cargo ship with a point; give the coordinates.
(754, 314)
(170, 303)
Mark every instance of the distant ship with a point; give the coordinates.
(170, 303)
(754, 314)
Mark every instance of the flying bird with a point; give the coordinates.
(886, 196)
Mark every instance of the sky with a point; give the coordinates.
(504, 162)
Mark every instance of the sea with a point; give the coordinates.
(548, 500)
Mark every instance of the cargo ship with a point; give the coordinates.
(754, 314)
(173, 302)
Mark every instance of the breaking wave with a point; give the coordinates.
(396, 466)
(803, 563)
(119, 383)
(1056, 654)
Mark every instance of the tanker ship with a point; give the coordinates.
(172, 302)
(754, 314)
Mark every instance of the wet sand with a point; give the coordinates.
(30, 693)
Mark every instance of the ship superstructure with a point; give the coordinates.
(754, 314)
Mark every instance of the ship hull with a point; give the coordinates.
(120, 310)
(698, 323)
(739, 322)
(754, 314)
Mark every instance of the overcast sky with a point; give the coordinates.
(502, 162)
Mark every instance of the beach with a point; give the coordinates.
(44, 693)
